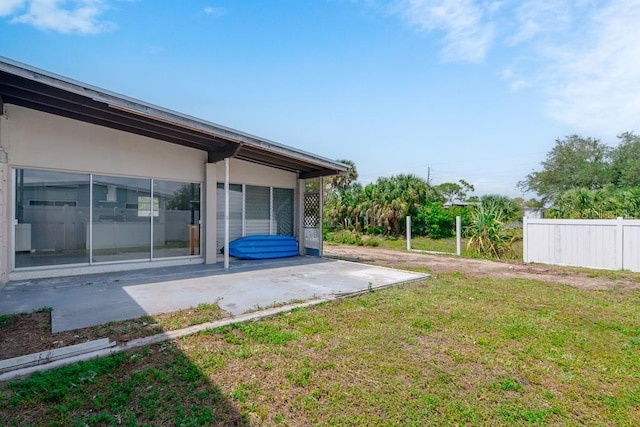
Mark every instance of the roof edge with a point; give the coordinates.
(136, 106)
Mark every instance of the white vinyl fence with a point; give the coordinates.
(607, 244)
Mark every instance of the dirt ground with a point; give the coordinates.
(436, 264)
(31, 333)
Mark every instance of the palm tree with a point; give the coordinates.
(345, 180)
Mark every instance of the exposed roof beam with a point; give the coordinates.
(94, 109)
(227, 152)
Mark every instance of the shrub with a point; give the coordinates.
(343, 236)
(435, 221)
(372, 241)
(487, 233)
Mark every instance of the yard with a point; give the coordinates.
(480, 343)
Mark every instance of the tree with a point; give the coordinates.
(608, 202)
(574, 162)
(452, 191)
(487, 231)
(625, 161)
(345, 180)
(382, 206)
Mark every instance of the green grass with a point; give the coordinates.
(448, 351)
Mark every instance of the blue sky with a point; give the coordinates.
(477, 90)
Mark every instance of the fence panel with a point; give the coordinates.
(631, 249)
(602, 244)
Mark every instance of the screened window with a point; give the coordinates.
(235, 214)
(283, 211)
(258, 210)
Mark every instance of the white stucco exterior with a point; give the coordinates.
(39, 140)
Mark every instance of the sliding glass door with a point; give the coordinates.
(122, 211)
(51, 218)
(70, 218)
(176, 220)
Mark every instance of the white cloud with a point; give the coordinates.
(7, 7)
(536, 18)
(63, 16)
(468, 34)
(582, 55)
(215, 11)
(594, 80)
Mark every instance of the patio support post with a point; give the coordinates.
(321, 249)
(6, 222)
(300, 219)
(226, 213)
(211, 207)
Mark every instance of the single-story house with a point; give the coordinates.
(93, 181)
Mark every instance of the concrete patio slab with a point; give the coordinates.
(84, 301)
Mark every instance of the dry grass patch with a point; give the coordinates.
(28, 333)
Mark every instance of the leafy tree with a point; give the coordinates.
(452, 191)
(625, 161)
(573, 162)
(185, 198)
(604, 203)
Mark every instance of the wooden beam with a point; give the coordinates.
(317, 174)
(48, 95)
(214, 156)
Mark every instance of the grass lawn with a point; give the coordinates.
(452, 350)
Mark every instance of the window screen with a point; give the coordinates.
(258, 210)
(283, 211)
(235, 213)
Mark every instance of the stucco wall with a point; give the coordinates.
(241, 172)
(40, 140)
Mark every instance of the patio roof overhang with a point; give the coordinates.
(30, 87)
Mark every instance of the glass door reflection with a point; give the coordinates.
(121, 224)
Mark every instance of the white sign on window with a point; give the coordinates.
(144, 206)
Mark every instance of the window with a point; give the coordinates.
(235, 214)
(176, 222)
(71, 218)
(120, 233)
(257, 210)
(283, 211)
(51, 218)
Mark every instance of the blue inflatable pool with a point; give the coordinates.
(264, 247)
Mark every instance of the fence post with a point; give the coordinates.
(458, 235)
(408, 233)
(525, 226)
(620, 243)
